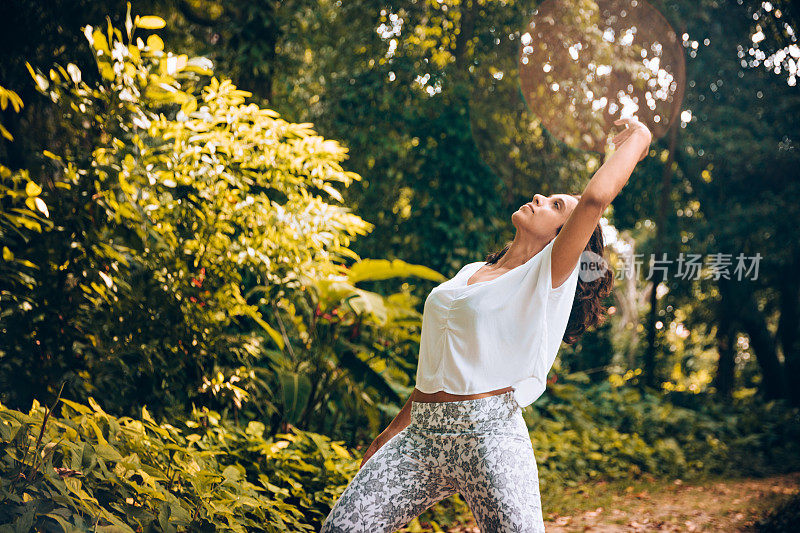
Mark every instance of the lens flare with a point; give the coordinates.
(584, 64)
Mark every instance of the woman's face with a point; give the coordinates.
(543, 215)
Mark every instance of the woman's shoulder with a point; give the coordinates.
(469, 266)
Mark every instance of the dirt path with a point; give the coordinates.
(724, 505)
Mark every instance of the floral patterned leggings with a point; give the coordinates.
(478, 448)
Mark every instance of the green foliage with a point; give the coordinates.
(584, 431)
(86, 469)
(23, 214)
(194, 260)
(192, 214)
(8, 98)
(349, 349)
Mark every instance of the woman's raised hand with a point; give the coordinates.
(632, 127)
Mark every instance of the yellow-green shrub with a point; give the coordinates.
(582, 431)
(86, 468)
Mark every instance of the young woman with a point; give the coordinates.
(489, 337)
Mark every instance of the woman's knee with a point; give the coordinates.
(395, 485)
(392, 487)
(500, 482)
(507, 503)
(383, 507)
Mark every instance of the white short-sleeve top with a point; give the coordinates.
(496, 333)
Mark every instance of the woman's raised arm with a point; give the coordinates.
(632, 146)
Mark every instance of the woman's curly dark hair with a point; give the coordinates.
(587, 308)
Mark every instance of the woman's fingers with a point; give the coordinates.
(631, 124)
(620, 137)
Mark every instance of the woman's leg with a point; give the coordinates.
(499, 479)
(502, 489)
(394, 486)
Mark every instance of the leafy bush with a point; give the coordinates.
(86, 468)
(582, 432)
(194, 255)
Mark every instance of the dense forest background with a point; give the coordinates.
(219, 222)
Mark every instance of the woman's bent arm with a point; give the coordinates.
(400, 422)
(397, 425)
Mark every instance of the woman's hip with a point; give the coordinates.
(450, 437)
(493, 415)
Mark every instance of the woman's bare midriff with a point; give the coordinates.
(442, 396)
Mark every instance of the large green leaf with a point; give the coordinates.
(295, 390)
(377, 269)
(363, 373)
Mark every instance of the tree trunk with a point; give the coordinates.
(789, 328)
(649, 366)
(726, 339)
(649, 369)
(465, 34)
(747, 314)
